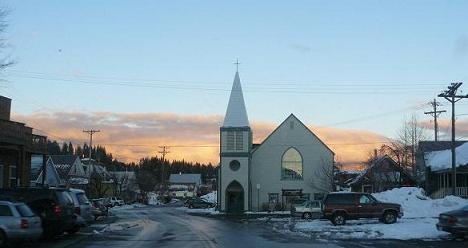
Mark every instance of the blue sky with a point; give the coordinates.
(334, 60)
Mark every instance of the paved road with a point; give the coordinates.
(170, 227)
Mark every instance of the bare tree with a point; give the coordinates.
(409, 136)
(97, 186)
(324, 176)
(5, 60)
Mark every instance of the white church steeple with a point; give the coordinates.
(236, 113)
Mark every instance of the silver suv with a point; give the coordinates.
(18, 223)
(82, 204)
(308, 210)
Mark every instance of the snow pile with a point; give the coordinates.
(440, 160)
(211, 197)
(416, 205)
(121, 226)
(404, 229)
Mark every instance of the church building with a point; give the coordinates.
(291, 164)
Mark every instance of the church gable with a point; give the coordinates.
(293, 129)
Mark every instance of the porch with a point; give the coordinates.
(444, 184)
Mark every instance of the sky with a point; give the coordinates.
(136, 69)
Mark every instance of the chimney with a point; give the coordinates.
(5, 108)
(375, 153)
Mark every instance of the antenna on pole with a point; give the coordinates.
(435, 113)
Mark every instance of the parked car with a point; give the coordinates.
(339, 207)
(308, 210)
(18, 223)
(116, 201)
(99, 208)
(199, 203)
(82, 204)
(454, 222)
(53, 205)
(296, 202)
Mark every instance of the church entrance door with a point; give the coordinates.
(235, 198)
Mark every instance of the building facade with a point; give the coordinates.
(292, 162)
(17, 144)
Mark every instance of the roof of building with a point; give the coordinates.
(441, 160)
(185, 178)
(236, 113)
(431, 146)
(375, 163)
(63, 164)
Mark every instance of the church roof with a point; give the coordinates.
(236, 113)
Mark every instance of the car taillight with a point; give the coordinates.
(78, 210)
(451, 220)
(24, 224)
(57, 210)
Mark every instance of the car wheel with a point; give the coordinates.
(3, 239)
(307, 216)
(389, 217)
(339, 219)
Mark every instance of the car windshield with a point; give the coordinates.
(82, 199)
(24, 210)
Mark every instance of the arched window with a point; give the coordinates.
(291, 165)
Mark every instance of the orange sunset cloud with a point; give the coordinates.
(191, 137)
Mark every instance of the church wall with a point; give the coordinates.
(266, 162)
(228, 175)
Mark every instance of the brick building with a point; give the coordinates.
(17, 144)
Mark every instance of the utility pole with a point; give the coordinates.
(435, 113)
(164, 151)
(91, 132)
(451, 95)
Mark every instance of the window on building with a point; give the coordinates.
(239, 141)
(291, 166)
(230, 141)
(235, 141)
(13, 176)
(273, 197)
(234, 165)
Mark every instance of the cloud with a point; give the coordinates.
(191, 137)
(461, 47)
(303, 49)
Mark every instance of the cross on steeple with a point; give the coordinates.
(237, 65)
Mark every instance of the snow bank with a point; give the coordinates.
(404, 229)
(211, 197)
(416, 205)
(122, 226)
(440, 160)
(153, 199)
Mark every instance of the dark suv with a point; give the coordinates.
(339, 207)
(53, 205)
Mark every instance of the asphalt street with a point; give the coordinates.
(172, 227)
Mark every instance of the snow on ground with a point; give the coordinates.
(440, 160)
(416, 205)
(126, 207)
(125, 225)
(423, 228)
(210, 197)
(418, 222)
(208, 211)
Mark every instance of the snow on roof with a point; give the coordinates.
(236, 113)
(185, 178)
(441, 160)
